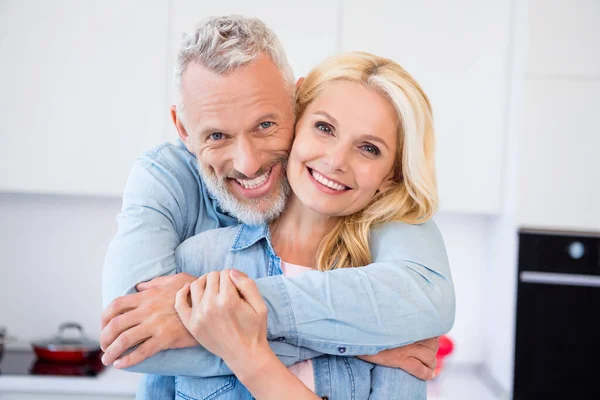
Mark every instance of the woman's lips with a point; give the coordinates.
(326, 189)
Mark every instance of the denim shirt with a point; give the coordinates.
(405, 295)
(249, 249)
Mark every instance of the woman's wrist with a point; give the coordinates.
(251, 361)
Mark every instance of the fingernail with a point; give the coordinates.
(235, 273)
(117, 364)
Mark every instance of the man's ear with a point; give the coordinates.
(185, 138)
(300, 80)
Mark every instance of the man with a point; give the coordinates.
(234, 115)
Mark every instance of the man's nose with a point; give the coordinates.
(247, 158)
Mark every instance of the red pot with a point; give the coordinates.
(66, 349)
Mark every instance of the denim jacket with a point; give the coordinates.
(405, 295)
(249, 249)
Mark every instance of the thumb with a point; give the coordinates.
(248, 290)
(182, 305)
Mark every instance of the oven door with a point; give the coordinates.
(557, 336)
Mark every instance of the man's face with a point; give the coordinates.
(240, 127)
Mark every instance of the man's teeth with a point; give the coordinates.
(254, 183)
(321, 179)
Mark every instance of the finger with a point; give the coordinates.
(120, 324)
(432, 344)
(198, 288)
(155, 282)
(212, 284)
(248, 291)
(119, 306)
(145, 350)
(424, 355)
(182, 306)
(125, 341)
(226, 286)
(417, 369)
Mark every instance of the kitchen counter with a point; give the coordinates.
(454, 383)
(110, 383)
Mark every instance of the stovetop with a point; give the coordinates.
(25, 362)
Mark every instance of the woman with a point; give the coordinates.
(362, 156)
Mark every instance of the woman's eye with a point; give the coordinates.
(369, 148)
(216, 136)
(266, 125)
(323, 127)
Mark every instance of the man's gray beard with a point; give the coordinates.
(247, 212)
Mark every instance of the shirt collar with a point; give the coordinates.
(249, 235)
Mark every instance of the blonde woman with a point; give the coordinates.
(363, 155)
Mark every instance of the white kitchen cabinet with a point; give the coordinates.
(564, 38)
(82, 92)
(307, 29)
(459, 52)
(559, 163)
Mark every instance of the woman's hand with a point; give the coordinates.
(227, 316)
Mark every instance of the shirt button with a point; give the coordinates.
(280, 339)
(342, 349)
(324, 398)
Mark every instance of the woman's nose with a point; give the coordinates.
(337, 157)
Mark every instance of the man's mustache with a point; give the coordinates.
(234, 174)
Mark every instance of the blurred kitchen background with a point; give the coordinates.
(85, 87)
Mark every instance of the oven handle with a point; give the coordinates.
(553, 278)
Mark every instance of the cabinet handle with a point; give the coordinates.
(553, 278)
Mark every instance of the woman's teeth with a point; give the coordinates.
(256, 182)
(321, 179)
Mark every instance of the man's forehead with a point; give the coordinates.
(207, 95)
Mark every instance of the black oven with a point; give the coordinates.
(557, 347)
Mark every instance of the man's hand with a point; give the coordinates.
(418, 359)
(147, 319)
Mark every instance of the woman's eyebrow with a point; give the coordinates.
(374, 138)
(328, 116)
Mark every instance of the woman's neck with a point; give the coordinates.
(297, 233)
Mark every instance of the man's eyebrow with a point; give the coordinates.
(328, 116)
(205, 130)
(267, 117)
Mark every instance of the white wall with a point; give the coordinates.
(52, 250)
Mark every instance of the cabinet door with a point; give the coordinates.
(307, 29)
(458, 52)
(82, 92)
(559, 164)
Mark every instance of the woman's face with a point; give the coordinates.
(344, 149)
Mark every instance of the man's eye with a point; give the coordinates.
(266, 125)
(216, 136)
(323, 127)
(369, 148)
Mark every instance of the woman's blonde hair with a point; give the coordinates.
(413, 198)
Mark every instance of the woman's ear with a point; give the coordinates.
(387, 183)
(300, 80)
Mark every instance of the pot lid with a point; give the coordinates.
(68, 342)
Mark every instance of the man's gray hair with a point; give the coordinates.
(224, 44)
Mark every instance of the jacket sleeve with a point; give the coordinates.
(405, 295)
(151, 225)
